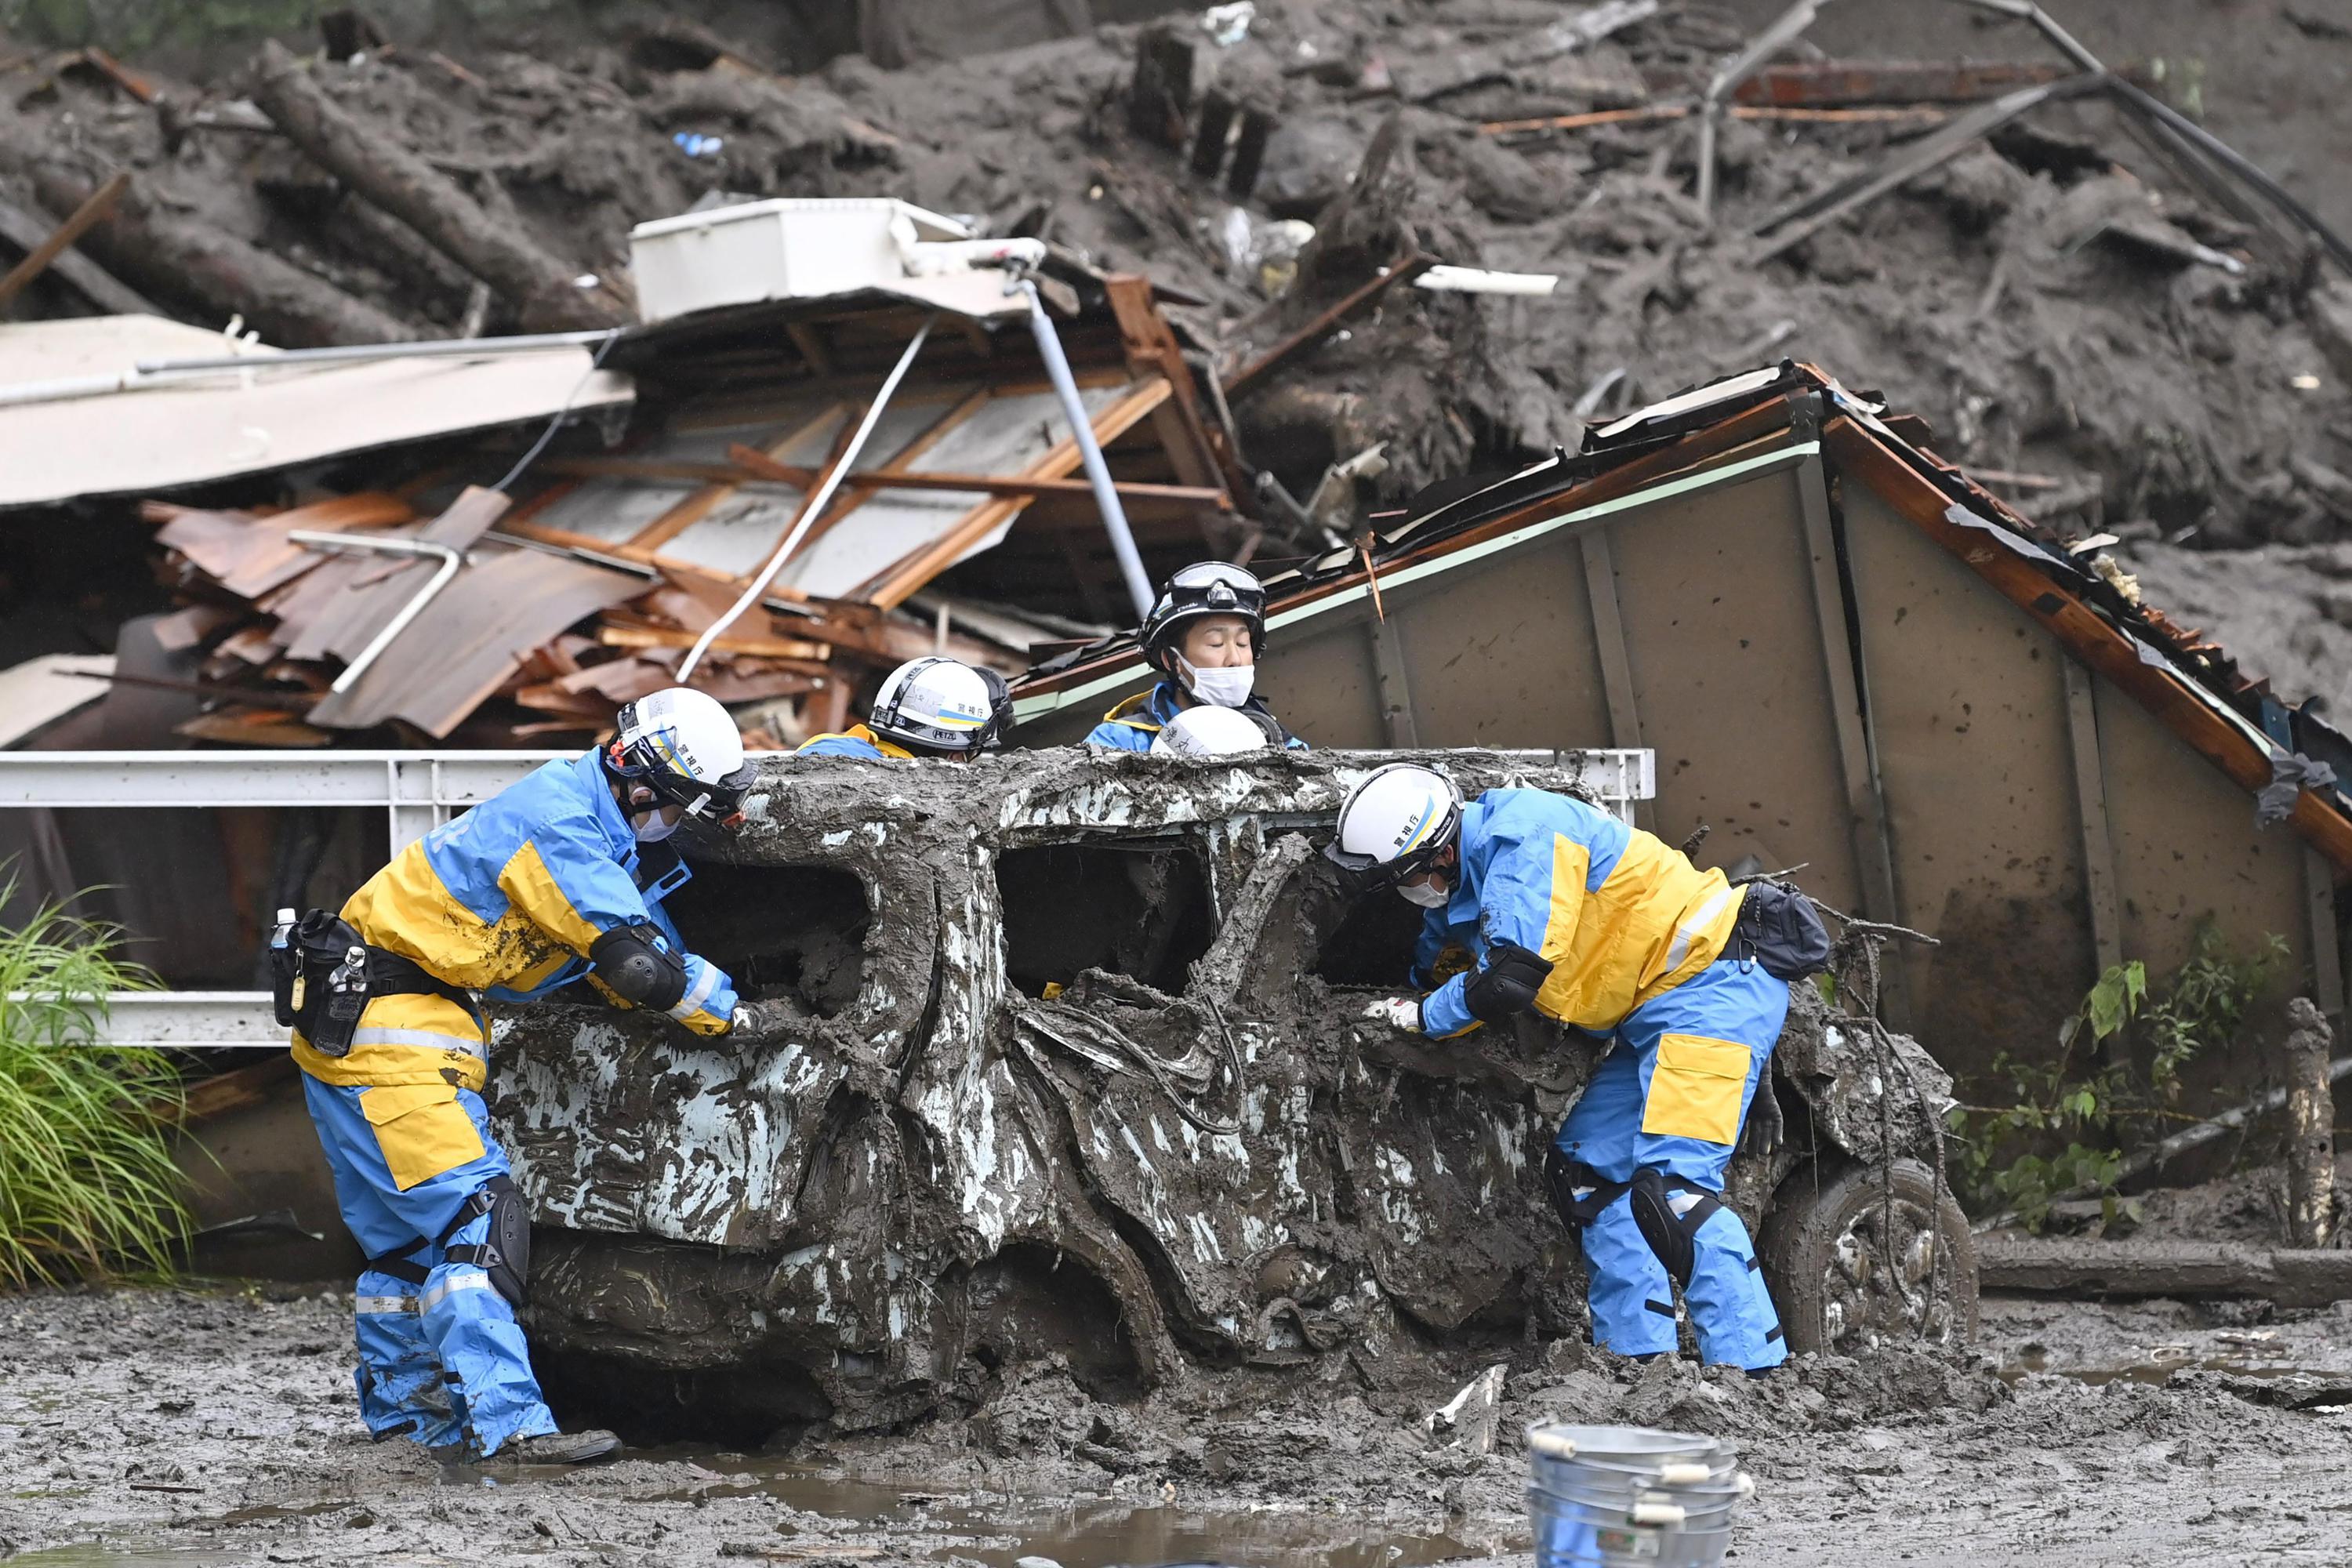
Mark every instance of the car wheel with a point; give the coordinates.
(1852, 1266)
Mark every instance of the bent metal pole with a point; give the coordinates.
(449, 557)
(1082, 431)
(810, 513)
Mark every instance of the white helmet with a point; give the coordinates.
(683, 746)
(1207, 732)
(1397, 820)
(941, 705)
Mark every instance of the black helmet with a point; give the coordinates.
(1204, 588)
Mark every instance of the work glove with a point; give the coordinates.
(760, 1020)
(1765, 1132)
(1397, 1013)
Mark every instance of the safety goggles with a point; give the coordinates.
(718, 805)
(1217, 587)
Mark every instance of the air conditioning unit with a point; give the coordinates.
(782, 250)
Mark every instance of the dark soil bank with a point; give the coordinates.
(158, 1427)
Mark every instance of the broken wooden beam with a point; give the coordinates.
(25, 230)
(1816, 212)
(1402, 270)
(2290, 1277)
(757, 464)
(1840, 84)
(1658, 113)
(61, 239)
(544, 290)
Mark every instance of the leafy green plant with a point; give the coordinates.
(2117, 1072)
(87, 1179)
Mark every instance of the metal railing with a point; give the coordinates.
(417, 791)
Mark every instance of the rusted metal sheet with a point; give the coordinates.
(1968, 710)
(1715, 587)
(2187, 850)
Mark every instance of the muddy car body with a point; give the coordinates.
(1078, 1067)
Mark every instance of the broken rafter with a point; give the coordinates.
(750, 462)
(60, 240)
(1659, 113)
(1832, 84)
(1805, 219)
(893, 585)
(1403, 270)
(26, 232)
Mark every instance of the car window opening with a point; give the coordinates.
(1137, 910)
(781, 931)
(1372, 943)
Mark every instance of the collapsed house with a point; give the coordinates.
(403, 597)
(1855, 665)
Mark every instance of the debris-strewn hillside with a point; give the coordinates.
(2056, 302)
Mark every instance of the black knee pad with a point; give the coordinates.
(1654, 1215)
(504, 1254)
(1577, 1192)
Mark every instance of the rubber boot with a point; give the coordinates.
(558, 1448)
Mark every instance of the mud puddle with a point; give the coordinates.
(2155, 1366)
(839, 1518)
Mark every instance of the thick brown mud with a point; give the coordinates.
(193, 1427)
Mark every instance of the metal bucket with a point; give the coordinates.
(1604, 1495)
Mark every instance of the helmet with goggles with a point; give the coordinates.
(682, 746)
(1204, 589)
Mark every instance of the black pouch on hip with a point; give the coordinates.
(1780, 928)
(332, 989)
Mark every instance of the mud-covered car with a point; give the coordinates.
(1075, 1066)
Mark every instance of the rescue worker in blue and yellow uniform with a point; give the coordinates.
(552, 879)
(1567, 910)
(932, 707)
(1204, 635)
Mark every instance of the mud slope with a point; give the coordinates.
(193, 1428)
(1990, 296)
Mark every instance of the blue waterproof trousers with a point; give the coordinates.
(1671, 1096)
(442, 1362)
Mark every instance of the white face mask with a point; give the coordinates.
(650, 828)
(1225, 686)
(1428, 895)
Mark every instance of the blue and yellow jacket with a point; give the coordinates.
(505, 900)
(858, 741)
(1620, 916)
(1136, 722)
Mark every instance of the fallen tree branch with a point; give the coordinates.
(176, 256)
(538, 287)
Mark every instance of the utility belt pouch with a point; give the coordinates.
(332, 989)
(1780, 928)
(286, 989)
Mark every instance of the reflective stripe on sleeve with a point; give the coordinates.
(468, 1280)
(1688, 931)
(365, 1305)
(691, 1003)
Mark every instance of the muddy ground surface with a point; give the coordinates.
(218, 1426)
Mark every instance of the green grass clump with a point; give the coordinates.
(87, 1179)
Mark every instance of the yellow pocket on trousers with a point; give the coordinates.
(422, 1130)
(1696, 1088)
